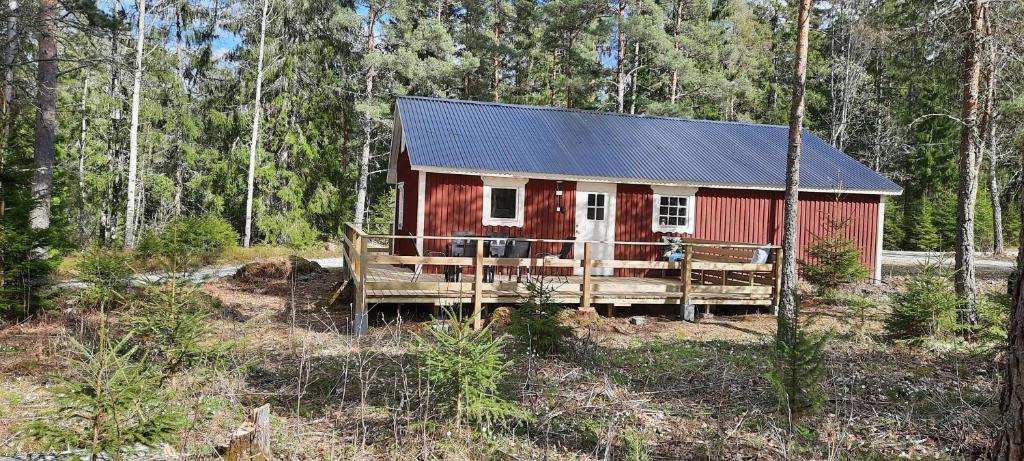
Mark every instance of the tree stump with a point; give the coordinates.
(251, 442)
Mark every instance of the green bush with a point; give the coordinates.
(204, 238)
(635, 446)
(994, 316)
(464, 367)
(926, 308)
(22, 266)
(108, 401)
(536, 323)
(836, 260)
(795, 373)
(108, 273)
(169, 322)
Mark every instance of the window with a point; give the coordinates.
(673, 209)
(400, 206)
(595, 206)
(504, 201)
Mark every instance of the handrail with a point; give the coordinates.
(699, 243)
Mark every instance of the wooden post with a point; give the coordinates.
(777, 289)
(478, 285)
(588, 267)
(685, 274)
(361, 323)
(251, 442)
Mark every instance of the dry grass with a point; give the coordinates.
(673, 389)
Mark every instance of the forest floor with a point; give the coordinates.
(674, 389)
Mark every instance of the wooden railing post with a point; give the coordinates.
(777, 283)
(687, 308)
(588, 268)
(361, 323)
(478, 285)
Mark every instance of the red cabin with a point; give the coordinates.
(563, 174)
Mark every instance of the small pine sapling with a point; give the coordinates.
(108, 274)
(926, 308)
(834, 259)
(464, 368)
(795, 373)
(537, 323)
(108, 401)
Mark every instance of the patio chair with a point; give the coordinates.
(459, 247)
(494, 248)
(518, 249)
(564, 253)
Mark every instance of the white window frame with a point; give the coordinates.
(689, 193)
(400, 199)
(498, 182)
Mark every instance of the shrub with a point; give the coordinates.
(836, 260)
(107, 272)
(169, 321)
(108, 401)
(927, 307)
(635, 446)
(536, 323)
(994, 316)
(22, 266)
(859, 309)
(795, 373)
(204, 238)
(464, 367)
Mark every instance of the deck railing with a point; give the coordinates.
(720, 270)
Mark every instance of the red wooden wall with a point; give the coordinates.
(454, 203)
(411, 179)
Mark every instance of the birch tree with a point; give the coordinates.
(46, 116)
(254, 141)
(988, 128)
(970, 161)
(130, 218)
(787, 309)
(372, 15)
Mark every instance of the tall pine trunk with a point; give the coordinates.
(787, 309)
(364, 155)
(133, 132)
(254, 142)
(970, 161)
(1009, 441)
(46, 116)
(6, 114)
(108, 211)
(620, 60)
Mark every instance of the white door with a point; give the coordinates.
(595, 221)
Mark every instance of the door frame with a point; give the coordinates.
(610, 191)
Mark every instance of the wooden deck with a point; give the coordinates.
(710, 273)
(390, 284)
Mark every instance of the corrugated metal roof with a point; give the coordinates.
(507, 138)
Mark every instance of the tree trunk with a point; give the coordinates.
(108, 212)
(82, 137)
(676, 28)
(46, 116)
(7, 118)
(254, 142)
(496, 63)
(9, 54)
(179, 164)
(634, 77)
(620, 60)
(967, 193)
(133, 132)
(989, 130)
(1009, 442)
(787, 309)
(364, 155)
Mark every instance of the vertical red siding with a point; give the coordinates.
(454, 203)
(411, 179)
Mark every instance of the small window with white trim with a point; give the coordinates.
(595, 206)
(400, 208)
(504, 201)
(673, 209)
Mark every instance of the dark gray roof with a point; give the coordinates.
(444, 134)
